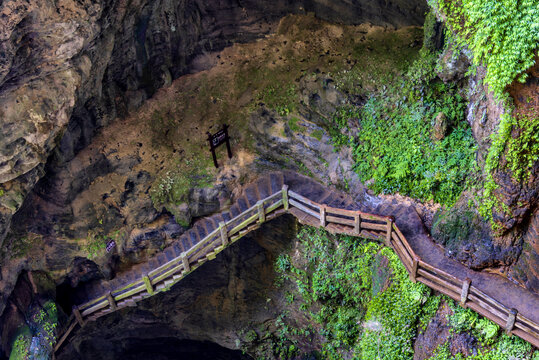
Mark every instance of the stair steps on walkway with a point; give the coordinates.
(407, 220)
(264, 188)
(251, 196)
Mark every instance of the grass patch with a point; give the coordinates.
(173, 186)
(317, 134)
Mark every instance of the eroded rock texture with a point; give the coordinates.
(216, 303)
(69, 67)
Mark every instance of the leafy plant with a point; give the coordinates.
(395, 149)
(334, 287)
(503, 36)
(21, 346)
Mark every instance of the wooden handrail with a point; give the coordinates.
(166, 275)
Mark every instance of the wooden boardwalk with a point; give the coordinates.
(510, 306)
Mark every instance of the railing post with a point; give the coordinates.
(261, 213)
(112, 302)
(78, 316)
(149, 286)
(389, 231)
(357, 223)
(413, 273)
(285, 197)
(323, 215)
(511, 321)
(185, 261)
(224, 233)
(464, 293)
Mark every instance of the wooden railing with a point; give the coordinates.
(337, 220)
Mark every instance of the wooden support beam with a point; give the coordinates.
(65, 335)
(357, 224)
(185, 261)
(261, 213)
(112, 303)
(511, 320)
(224, 233)
(322, 215)
(464, 292)
(78, 316)
(285, 197)
(149, 286)
(389, 230)
(413, 273)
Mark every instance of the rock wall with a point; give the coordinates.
(69, 67)
(214, 304)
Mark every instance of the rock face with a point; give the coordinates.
(213, 304)
(69, 67)
(303, 143)
(467, 238)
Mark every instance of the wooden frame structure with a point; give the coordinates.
(350, 222)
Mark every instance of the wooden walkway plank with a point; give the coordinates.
(515, 310)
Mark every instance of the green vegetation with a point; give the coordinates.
(340, 284)
(293, 125)
(46, 320)
(395, 146)
(503, 36)
(496, 345)
(21, 246)
(379, 59)
(96, 241)
(282, 98)
(317, 134)
(43, 324)
(173, 187)
(21, 345)
(348, 298)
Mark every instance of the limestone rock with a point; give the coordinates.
(453, 64)
(467, 237)
(439, 130)
(68, 68)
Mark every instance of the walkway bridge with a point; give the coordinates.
(398, 226)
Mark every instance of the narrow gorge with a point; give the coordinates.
(423, 111)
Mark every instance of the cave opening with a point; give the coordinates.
(170, 348)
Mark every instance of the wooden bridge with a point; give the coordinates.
(510, 306)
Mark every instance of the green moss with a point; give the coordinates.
(174, 185)
(429, 31)
(395, 149)
(502, 35)
(453, 226)
(317, 134)
(20, 246)
(379, 59)
(294, 126)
